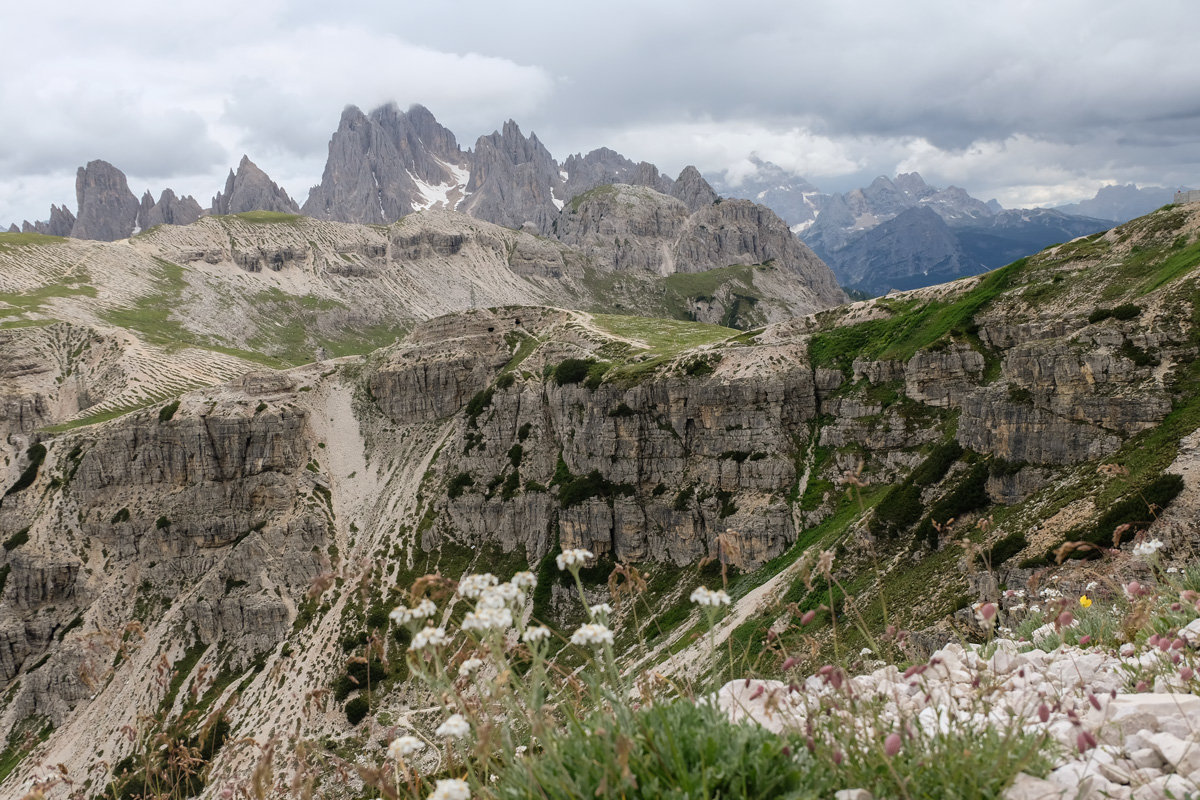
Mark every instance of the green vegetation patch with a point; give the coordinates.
(910, 328)
(13, 241)
(36, 455)
(268, 217)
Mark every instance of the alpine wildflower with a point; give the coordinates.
(707, 597)
(452, 789)
(404, 746)
(475, 585)
(577, 557)
(1148, 548)
(455, 727)
(430, 637)
(535, 634)
(592, 634)
(1085, 601)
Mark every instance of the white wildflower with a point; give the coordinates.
(573, 558)
(452, 789)
(1173, 570)
(537, 633)
(475, 585)
(469, 666)
(455, 727)
(707, 597)
(485, 619)
(1091, 586)
(404, 746)
(423, 610)
(1148, 548)
(593, 634)
(430, 637)
(601, 610)
(499, 596)
(524, 580)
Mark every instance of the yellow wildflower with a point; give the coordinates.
(1085, 601)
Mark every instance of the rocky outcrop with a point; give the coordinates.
(169, 210)
(692, 190)
(620, 227)
(107, 209)
(60, 223)
(376, 161)
(514, 181)
(604, 166)
(250, 189)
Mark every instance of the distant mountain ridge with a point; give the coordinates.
(875, 241)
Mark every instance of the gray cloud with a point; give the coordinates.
(1026, 101)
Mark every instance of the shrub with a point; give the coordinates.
(1006, 548)
(168, 411)
(475, 406)
(458, 484)
(357, 710)
(622, 410)
(162, 523)
(572, 370)
(515, 453)
(581, 488)
(16, 540)
(36, 455)
(1126, 311)
(506, 380)
(121, 516)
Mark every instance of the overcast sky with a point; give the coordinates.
(1027, 102)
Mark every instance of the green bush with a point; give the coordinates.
(670, 751)
(1137, 509)
(357, 710)
(572, 370)
(121, 516)
(506, 380)
(168, 411)
(475, 406)
(162, 523)
(1006, 548)
(1126, 311)
(36, 455)
(458, 484)
(16, 540)
(515, 453)
(584, 487)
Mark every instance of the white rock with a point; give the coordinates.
(1146, 758)
(1027, 787)
(1190, 633)
(1180, 755)
(853, 794)
(1117, 773)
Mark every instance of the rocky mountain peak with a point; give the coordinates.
(693, 190)
(514, 182)
(251, 189)
(60, 223)
(385, 165)
(604, 166)
(108, 210)
(913, 184)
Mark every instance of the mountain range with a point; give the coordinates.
(389, 163)
(902, 233)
